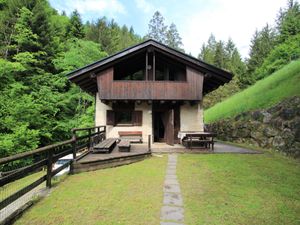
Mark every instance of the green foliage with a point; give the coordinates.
(38, 106)
(281, 55)
(221, 93)
(223, 55)
(111, 37)
(75, 27)
(288, 22)
(261, 45)
(263, 94)
(24, 37)
(78, 53)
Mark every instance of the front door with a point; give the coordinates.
(168, 120)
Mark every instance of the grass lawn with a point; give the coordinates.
(124, 195)
(240, 189)
(263, 94)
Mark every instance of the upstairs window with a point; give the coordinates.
(167, 69)
(131, 69)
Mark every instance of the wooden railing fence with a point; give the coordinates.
(43, 159)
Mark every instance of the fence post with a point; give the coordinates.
(90, 139)
(149, 143)
(49, 168)
(74, 146)
(104, 132)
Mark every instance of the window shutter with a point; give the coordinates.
(137, 118)
(110, 117)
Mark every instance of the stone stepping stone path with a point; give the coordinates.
(172, 212)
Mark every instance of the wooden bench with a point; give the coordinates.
(132, 136)
(124, 146)
(105, 146)
(206, 140)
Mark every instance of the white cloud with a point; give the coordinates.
(231, 18)
(93, 6)
(144, 6)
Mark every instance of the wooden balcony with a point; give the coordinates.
(110, 89)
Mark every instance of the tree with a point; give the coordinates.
(78, 53)
(207, 52)
(288, 21)
(110, 35)
(261, 44)
(24, 39)
(220, 55)
(75, 27)
(157, 30)
(173, 38)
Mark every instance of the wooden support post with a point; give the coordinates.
(49, 168)
(146, 68)
(149, 143)
(153, 65)
(90, 139)
(104, 134)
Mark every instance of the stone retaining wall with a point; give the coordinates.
(277, 127)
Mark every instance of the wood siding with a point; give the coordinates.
(150, 90)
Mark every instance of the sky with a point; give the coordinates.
(195, 19)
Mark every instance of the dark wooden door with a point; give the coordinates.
(168, 120)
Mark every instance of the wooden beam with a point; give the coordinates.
(153, 65)
(146, 67)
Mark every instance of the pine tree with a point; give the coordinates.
(288, 21)
(157, 30)
(207, 52)
(24, 39)
(75, 28)
(173, 38)
(220, 55)
(261, 44)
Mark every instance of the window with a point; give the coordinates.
(124, 117)
(131, 69)
(169, 70)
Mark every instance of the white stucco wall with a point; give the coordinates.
(191, 117)
(112, 131)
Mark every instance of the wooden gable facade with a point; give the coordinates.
(150, 89)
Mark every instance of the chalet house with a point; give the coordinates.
(150, 88)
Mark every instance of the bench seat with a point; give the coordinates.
(124, 146)
(132, 136)
(105, 146)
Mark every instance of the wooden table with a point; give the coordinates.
(190, 137)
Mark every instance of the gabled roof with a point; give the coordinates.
(85, 76)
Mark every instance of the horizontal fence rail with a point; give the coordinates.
(23, 172)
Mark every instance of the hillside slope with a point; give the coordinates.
(264, 93)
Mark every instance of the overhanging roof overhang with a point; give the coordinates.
(85, 76)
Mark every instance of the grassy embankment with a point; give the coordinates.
(263, 94)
